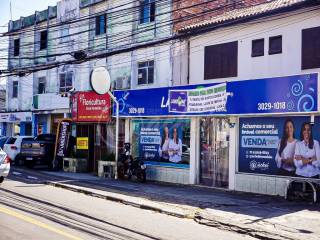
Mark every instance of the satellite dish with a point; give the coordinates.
(100, 80)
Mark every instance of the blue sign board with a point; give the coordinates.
(271, 95)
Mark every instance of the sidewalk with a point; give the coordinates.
(260, 216)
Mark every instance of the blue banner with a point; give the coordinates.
(279, 146)
(162, 141)
(271, 95)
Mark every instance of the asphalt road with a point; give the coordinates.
(32, 210)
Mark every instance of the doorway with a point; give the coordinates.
(214, 152)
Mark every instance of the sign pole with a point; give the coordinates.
(117, 133)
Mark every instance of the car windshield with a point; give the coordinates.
(2, 141)
(45, 137)
(11, 140)
(28, 138)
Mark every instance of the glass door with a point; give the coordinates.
(214, 152)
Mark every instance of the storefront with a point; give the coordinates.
(93, 127)
(235, 129)
(16, 123)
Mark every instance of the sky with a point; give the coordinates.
(21, 8)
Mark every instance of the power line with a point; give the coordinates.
(147, 28)
(117, 23)
(164, 40)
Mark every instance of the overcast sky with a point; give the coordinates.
(21, 8)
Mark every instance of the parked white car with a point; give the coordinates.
(13, 146)
(4, 165)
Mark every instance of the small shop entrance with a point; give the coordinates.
(214, 152)
(87, 130)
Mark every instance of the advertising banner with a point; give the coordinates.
(62, 141)
(292, 94)
(208, 99)
(165, 141)
(16, 117)
(285, 146)
(91, 107)
(83, 143)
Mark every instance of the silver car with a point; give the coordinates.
(4, 165)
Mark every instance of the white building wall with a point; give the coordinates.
(287, 63)
(284, 64)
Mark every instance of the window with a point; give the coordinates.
(16, 47)
(15, 89)
(145, 72)
(41, 85)
(221, 60)
(147, 11)
(28, 130)
(275, 45)
(65, 82)
(310, 48)
(101, 24)
(43, 39)
(257, 47)
(64, 32)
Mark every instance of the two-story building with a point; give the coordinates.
(268, 57)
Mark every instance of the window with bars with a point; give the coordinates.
(41, 85)
(101, 24)
(15, 89)
(65, 80)
(64, 32)
(146, 72)
(16, 47)
(147, 11)
(43, 39)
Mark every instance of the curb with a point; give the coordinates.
(222, 224)
(121, 200)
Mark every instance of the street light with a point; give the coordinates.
(101, 83)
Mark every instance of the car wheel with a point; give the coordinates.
(1, 179)
(17, 160)
(29, 164)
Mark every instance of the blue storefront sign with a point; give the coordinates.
(292, 94)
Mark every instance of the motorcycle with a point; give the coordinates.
(130, 167)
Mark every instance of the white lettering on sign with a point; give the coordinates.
(91, 102)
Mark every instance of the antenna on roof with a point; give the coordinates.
(10, 11)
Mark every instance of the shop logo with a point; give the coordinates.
(148, 155)
(179, 101)
(260, 142)
(91, 102)
(258, 165)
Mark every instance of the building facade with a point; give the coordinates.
(201, 86)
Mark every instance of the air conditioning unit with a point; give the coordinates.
(122, 83)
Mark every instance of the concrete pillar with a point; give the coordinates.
(194, 150)
(234, 126)
(127, 133)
